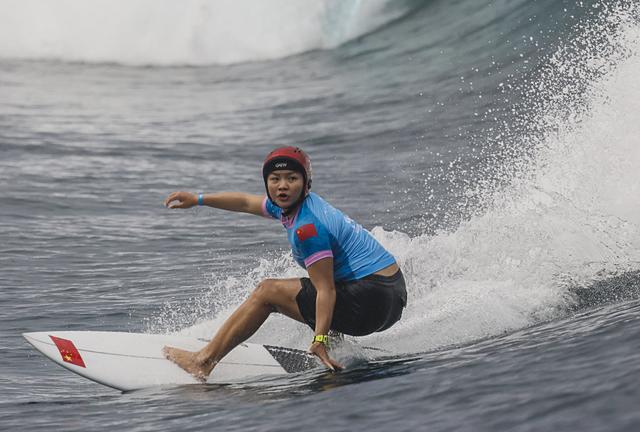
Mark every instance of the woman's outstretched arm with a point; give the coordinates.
(232, 201)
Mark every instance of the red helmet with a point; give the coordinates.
(288, 158)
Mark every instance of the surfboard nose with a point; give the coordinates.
(30, 336)
(35, 338)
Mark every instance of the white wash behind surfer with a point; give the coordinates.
(354, 286)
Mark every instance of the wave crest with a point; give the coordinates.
(188, 32)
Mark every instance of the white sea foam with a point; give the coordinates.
(186, 32)
(571, 218)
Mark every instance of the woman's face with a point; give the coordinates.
(285, 187)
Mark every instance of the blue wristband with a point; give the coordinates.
(200, 199)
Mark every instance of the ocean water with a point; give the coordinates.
(492, 147)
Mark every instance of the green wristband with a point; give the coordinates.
(323, 339)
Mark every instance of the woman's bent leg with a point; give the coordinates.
(270, 295)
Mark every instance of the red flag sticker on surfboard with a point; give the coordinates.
(68, 351)
(306, 231)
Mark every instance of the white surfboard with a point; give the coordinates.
(130, 361)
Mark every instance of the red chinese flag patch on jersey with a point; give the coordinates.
(306, 231)
(68, 351)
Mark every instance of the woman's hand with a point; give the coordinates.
(318, 349)
(183, 200)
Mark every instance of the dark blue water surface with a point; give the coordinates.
(491, 147)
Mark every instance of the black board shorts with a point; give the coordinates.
(363, 306)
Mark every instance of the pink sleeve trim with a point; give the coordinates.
(317, 257)
(265, 213)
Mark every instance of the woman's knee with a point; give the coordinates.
(266, 290)
(276, 292)
(279, 295)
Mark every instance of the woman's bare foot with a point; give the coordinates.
(188, 360)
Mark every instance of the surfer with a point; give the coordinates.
(354, 286)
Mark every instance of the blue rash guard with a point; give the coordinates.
(318, 231)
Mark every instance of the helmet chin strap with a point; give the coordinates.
(297, 204)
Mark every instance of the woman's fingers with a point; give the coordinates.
(179, 200)
(172, 197)
(327, 361)
(332, 364)
(320, 351)
(336, 365)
